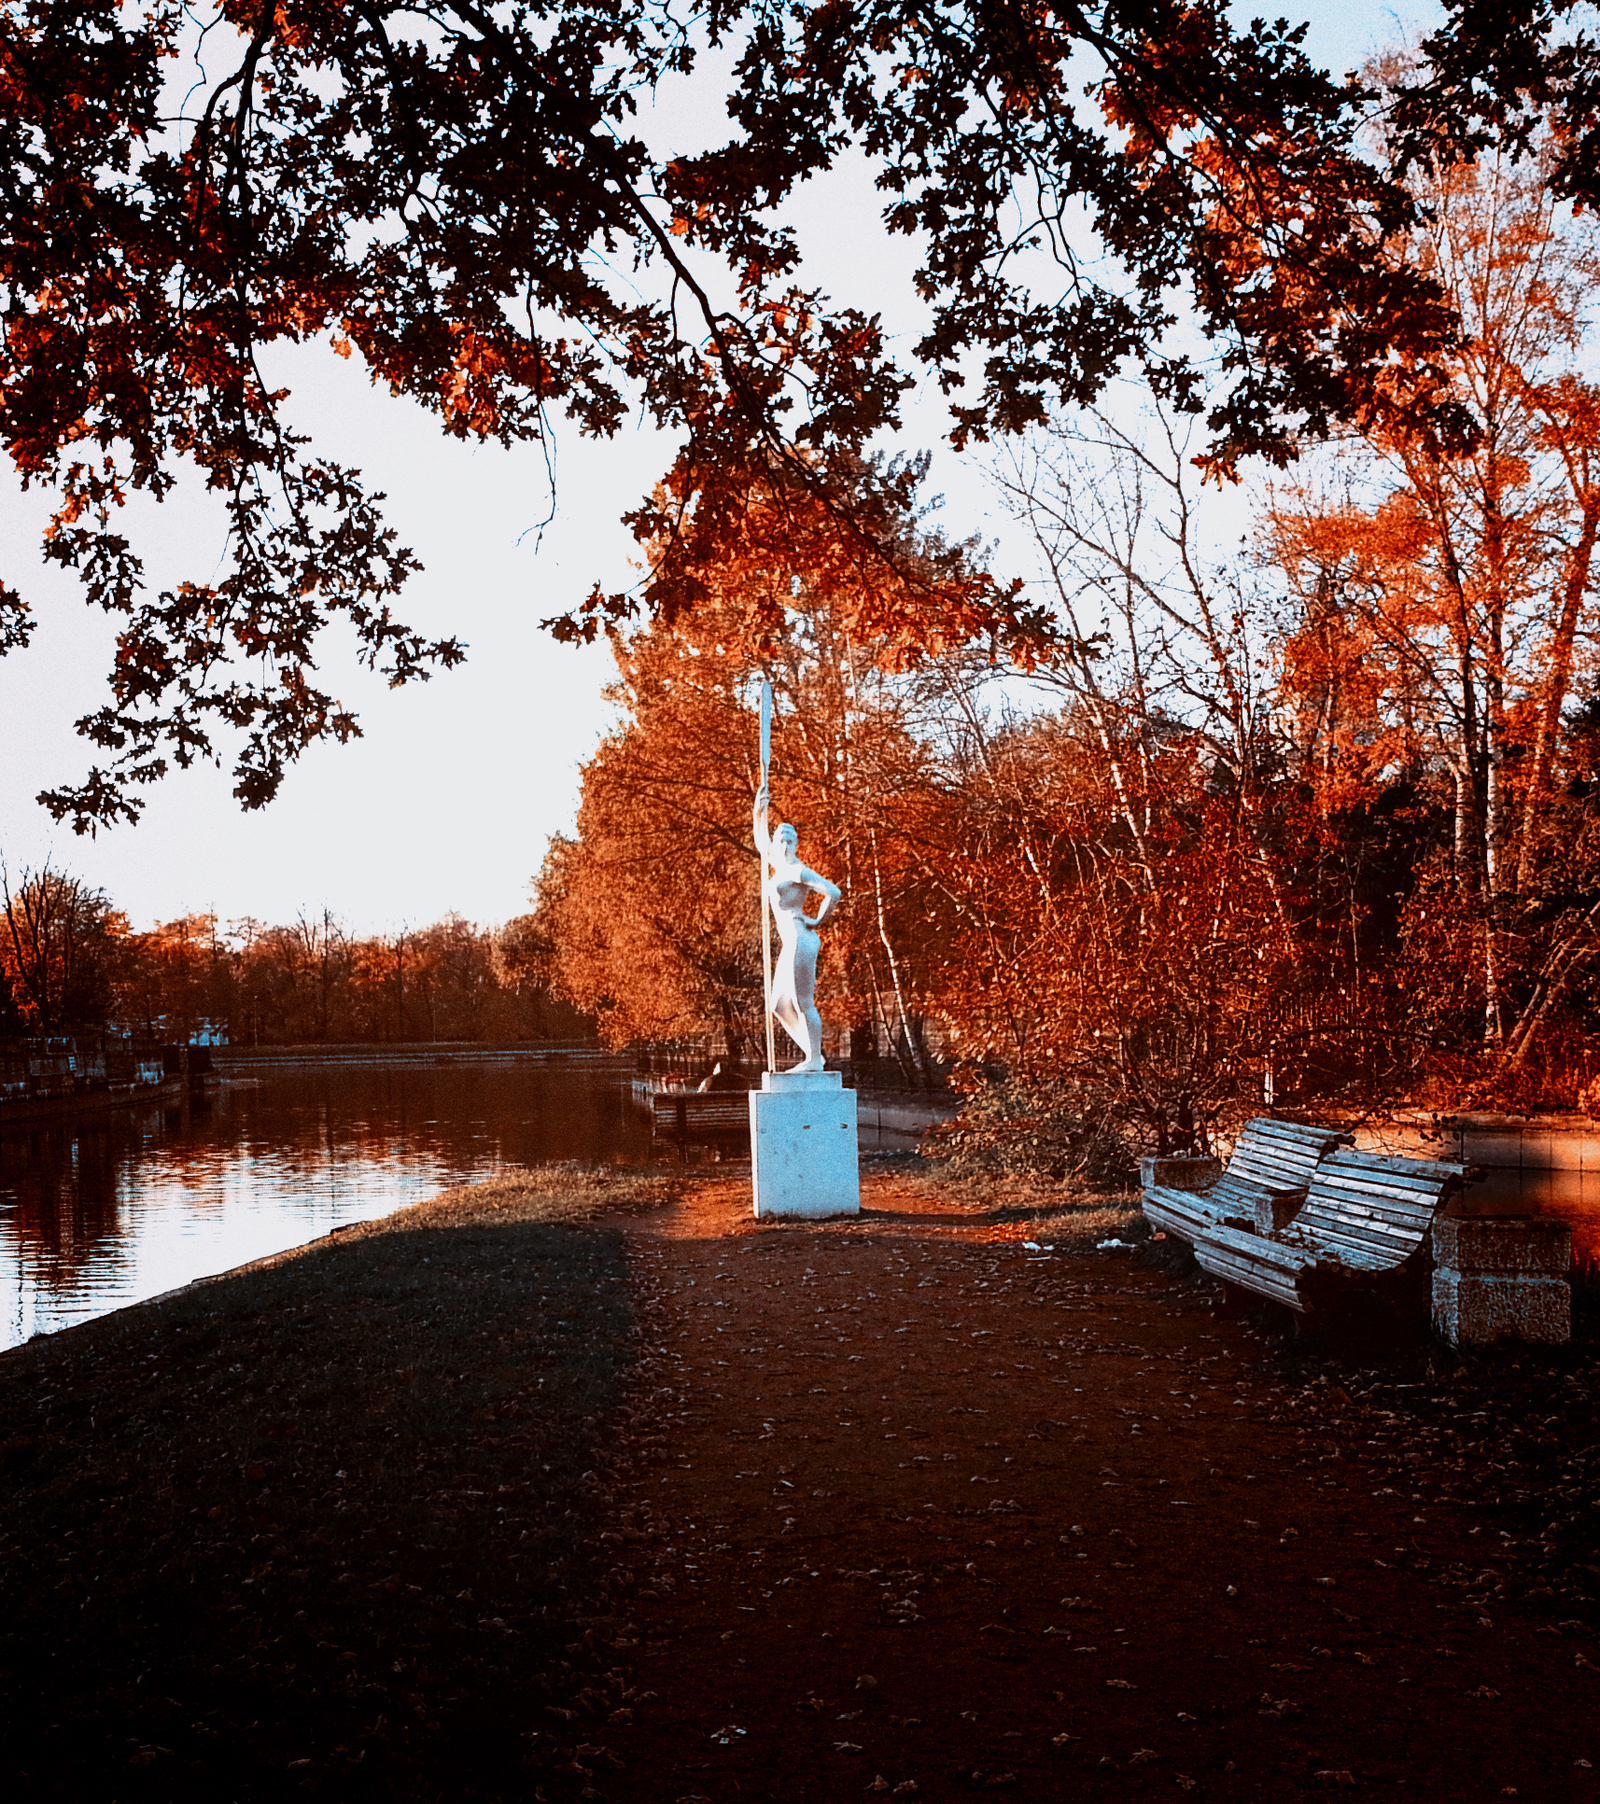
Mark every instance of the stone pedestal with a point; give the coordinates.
(1502, 1277)
(803, 1158)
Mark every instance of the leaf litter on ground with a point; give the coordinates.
(331, 1520)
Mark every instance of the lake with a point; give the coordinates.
(120, 1206)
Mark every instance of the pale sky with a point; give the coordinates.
(449, 800)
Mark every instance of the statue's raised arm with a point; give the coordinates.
(787, 885)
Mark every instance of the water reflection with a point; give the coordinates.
(113, 1208)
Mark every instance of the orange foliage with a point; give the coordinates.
(653, 910)
(60, 949)
(1445, 601)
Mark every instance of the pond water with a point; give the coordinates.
(116, 1207)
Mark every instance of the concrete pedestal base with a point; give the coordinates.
(803, 1158)
(1502, 1278)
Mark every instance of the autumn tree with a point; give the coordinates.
(651, 913)
(1120, 934)
(448, 980)
(1445, 595)
(522, 962)
(60, 949)
(176, 975)
(460, 196)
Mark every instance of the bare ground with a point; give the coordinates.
(942, 1515)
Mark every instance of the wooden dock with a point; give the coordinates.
(685, 1116)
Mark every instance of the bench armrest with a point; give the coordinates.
(1282, 1206)
(1178, 1174)
(1266, 1208)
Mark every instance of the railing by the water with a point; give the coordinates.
(1521, 1164)
(243, 1061)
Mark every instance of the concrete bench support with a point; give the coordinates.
(1502, 1278)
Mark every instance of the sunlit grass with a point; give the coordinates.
(1033, 1205)
(543, 1193)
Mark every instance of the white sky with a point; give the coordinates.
(450, 798)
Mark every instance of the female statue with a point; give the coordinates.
(794, 981)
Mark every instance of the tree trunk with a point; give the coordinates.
(1558, 680)
(913, 1049)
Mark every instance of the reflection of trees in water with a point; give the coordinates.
(59, 1187)
(77, 1196)
(454, 1119)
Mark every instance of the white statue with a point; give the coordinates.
(794, 978)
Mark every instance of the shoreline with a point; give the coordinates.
(36, 1111)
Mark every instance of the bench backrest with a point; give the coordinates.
(1373, 1211)
(1282, 1154)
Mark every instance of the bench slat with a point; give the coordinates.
(1350, 1208)
(1369, 1256)
(1269, 1171)
(1265, 1266)
(1402, 1196)
(1296, 1131)
(1374, 1228)
(1366, 1172)
(1395, 1165)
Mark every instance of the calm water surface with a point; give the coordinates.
(113, 1208)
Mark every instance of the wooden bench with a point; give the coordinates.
(1366, 1217)
(1261, 1190)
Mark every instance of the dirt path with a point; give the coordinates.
(935, 1514)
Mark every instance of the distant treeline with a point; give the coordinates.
(69, 962)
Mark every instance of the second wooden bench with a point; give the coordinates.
(1365, 1216)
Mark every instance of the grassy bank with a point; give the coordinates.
(323, 1524)
(1035, 1206)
